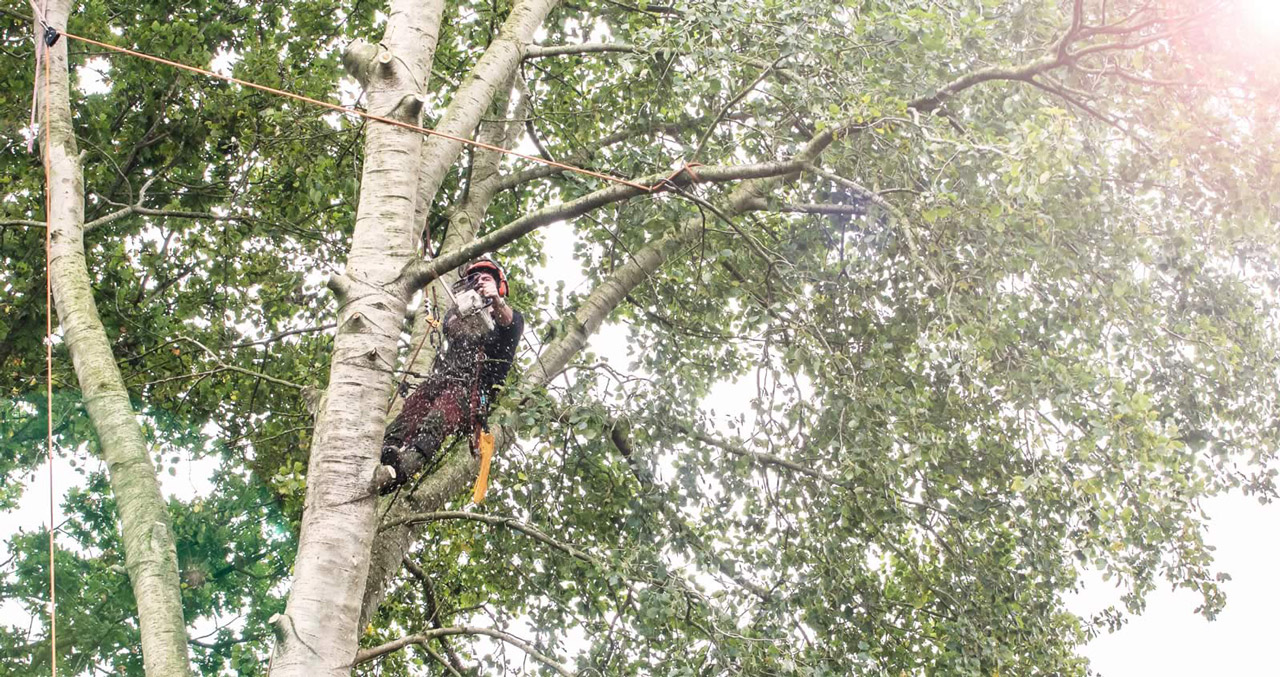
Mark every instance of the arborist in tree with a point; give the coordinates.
(482, 333)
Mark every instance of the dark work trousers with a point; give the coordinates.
(440, 407)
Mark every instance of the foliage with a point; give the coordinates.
(1034, 329)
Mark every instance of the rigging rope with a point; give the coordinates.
(378, 118)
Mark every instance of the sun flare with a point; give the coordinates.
(1263, 16)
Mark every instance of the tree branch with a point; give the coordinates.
(497, 521)
(284, 334)
(543, 51)
(422, 638)
(419, 273)
(759, 457)
(654, 10)
(455, 662)
(223, 366)
(585, 154)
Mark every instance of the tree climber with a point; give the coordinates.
(455, 398)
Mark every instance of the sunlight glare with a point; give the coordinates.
(1263, 16)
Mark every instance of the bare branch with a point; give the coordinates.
(424, 637)
(1065, 94)
(760, 457)
(585, 154)
(221, 367)
(283, 334)
(433, 607)
(167, 213)
(497, 521)
(1063, 56)
(440, 659)
(1077, 22)
(542, 51)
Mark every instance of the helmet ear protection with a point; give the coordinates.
(491, 267)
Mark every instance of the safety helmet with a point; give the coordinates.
(491, 267)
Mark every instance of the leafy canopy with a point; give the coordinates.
(877, 424)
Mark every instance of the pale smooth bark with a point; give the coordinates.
(319, 631)
(150, 555)
(490, 80)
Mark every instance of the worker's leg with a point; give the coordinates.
(413, 441)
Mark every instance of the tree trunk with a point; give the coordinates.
(319, 631)
(464, 223)
(150, 555)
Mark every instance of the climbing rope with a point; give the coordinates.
(43, 41)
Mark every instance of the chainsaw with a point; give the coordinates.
(472, 309)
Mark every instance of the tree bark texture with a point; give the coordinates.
(150, 554)
(319, 631)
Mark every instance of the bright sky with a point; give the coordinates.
(1171, 641)
(1264, 15)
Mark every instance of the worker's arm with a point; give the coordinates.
(501, 311)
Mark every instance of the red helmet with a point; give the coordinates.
(491, 267)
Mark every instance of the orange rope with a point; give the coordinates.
(379, 118)
(48, 358)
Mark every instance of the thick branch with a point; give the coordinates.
(542, 51)
(419, 273)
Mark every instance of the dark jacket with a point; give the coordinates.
(496, 350)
